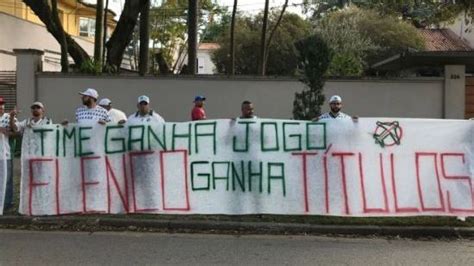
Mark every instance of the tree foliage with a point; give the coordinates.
(282, 54)
(168, 29)
(420, 12)
(314, 56)
(360, 37)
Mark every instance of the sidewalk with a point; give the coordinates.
(162, 224)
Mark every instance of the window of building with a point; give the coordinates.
(87, 27)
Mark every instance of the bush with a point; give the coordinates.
(314, 56)
(90, 66)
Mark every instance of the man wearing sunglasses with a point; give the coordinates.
(144, 113)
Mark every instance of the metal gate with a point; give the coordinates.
(8, 89)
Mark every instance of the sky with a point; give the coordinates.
(250, 6)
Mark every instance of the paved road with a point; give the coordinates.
(126, 248)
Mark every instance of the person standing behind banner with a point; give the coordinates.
(247, 110)
(116, 116)
(144, 113)
(37, 119)
(335, 104)
(198, 112)
(90, 112)
(5, 129)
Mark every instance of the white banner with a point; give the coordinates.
(375, 167)
(4, 155)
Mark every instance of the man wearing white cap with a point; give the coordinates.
(37, 119)
(91, 112)
(144, 113)
(116, 116)
(335, 104)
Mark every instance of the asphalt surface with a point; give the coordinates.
(129, 248)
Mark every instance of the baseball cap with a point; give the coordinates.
(38, 104)
(143, 98)
(335, 98)
(105, 101)
(2, 101)
(90, 92)
(199, 98)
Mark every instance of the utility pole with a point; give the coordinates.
(144, 38)
(192, 35)
(261, 60)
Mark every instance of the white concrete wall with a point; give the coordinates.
(463, 30)
(273, 98)
(455, 79)
(16, 33)
(205, 64)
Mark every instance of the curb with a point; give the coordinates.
(237, 227)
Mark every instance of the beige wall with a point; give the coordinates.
(273, 98)
(414, 98)
(171, 97)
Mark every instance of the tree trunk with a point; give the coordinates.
(43, 11)
(162, 65)
(105, 32)
(231, 70)
(144, 38)
(269, 41)
(62, 41)
(122, 34)
(99, 25)
(261, 59)
(192, 35)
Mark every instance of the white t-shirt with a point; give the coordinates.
(116, 115)
(151, 116)
(85, 114)
(250, 118)
(5, 123)
(329, 116)
(31, 123)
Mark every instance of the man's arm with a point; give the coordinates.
(13, 121)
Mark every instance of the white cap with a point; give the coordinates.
(105, 101)
(143, 98)
(335, 98)
(38, 104)
(91, 93)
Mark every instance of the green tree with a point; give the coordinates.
(281, 55)
(389, 33)
(359, 37)
(421, 13)
(314, 56)
(350, 47)
(168, 31)
(215, 29)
